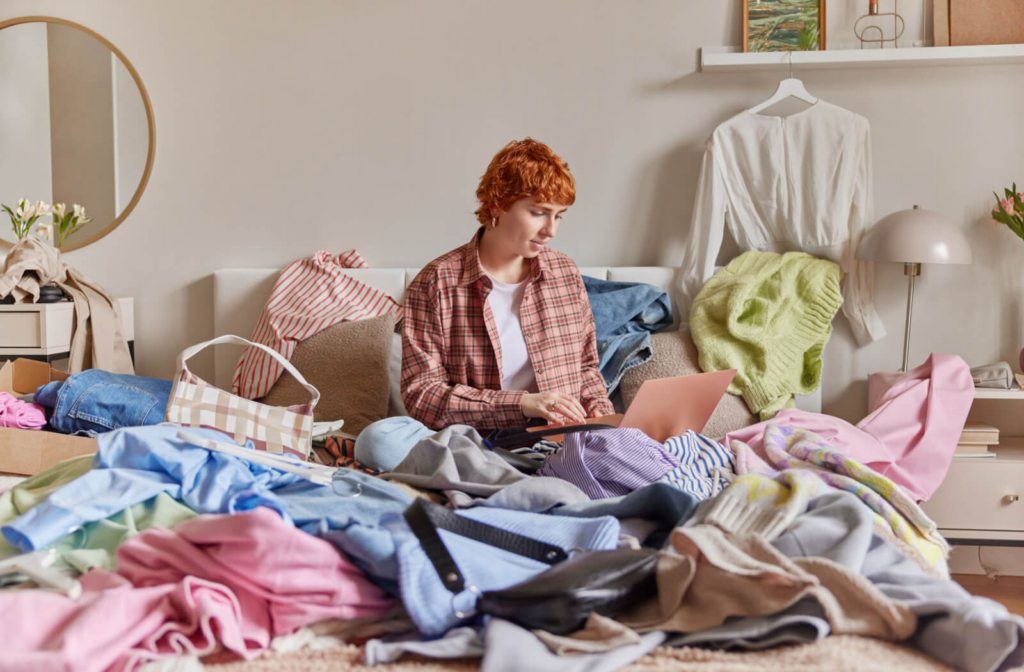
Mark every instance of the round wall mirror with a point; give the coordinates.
(76, 126)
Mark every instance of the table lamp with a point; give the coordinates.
(915, 237)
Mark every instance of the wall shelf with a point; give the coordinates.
(732, 59)
(995, 393)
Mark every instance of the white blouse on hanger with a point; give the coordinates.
(801, 182)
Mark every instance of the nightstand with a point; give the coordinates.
(42, 331)
(981, 500)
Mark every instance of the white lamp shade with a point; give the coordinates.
(916, 236)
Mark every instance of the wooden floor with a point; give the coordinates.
(1008, 590)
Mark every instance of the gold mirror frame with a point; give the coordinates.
(72, 246)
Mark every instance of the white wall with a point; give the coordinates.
(287, 127)
(24, 120)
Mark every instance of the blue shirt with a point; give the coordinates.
(136, 464)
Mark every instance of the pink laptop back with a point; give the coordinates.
(667, 407)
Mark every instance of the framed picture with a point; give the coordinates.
(783, 25)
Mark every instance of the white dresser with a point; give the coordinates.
(981, 500)
(42, 331)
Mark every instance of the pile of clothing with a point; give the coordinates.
(180, 552)
(589, 553)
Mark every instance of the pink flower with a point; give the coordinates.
(1007, 205)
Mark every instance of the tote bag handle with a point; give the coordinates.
(190, 351)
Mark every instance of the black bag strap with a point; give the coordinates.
(426, 518)
(521, 436)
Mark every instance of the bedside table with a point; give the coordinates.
(981, 500)
(42, 331)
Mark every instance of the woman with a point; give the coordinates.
(499, 331)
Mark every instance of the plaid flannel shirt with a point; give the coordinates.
(451, 354)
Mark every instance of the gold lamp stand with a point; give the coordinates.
(911, 270)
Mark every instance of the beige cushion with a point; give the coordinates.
(348, 363)
(396, 406)
(676, 355)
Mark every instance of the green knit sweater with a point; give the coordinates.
(769, 317)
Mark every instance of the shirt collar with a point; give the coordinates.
(473, 270)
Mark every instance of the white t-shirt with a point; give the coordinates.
(516, 368)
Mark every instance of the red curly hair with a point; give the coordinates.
(523, 169)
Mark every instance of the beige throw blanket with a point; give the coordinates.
(97, 341)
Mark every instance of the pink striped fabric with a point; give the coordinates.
(309, 296)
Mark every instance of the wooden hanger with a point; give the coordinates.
(790, 87)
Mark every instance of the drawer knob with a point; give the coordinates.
(1010, 499)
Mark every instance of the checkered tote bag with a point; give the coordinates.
(195, 403)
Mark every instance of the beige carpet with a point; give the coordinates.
(8, 481)
(833, 654)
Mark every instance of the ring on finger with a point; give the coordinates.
(552, 405)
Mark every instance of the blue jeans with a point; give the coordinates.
(625, 314)
(100, 401)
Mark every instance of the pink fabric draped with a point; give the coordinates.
(236, 581)
(911, 430)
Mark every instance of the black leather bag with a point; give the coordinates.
(559, 600)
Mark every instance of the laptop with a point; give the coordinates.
(667, 407)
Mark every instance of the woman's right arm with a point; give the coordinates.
(426, 391)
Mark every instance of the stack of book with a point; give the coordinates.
(976, 439)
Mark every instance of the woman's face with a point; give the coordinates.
(527, 227)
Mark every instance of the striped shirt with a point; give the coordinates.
(451, 353)
(703, 465)
(310, 295)
(610, 462)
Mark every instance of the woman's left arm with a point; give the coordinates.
(593, 393)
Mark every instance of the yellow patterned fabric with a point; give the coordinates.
(791, 449)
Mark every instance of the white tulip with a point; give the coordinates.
(42, 209)
(27, 211)
(22, 203)
(19, 213)
(58, 210)
(79, 210)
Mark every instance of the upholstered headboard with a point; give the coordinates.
(240, 294)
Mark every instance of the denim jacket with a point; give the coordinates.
(625, 314)
(96, 401)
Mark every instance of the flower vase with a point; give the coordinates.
(50, 294)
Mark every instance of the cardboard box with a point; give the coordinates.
(27, 451)
(985, 22)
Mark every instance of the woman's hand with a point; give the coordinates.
(555, 407)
